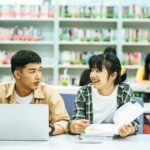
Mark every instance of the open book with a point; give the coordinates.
(124, 115)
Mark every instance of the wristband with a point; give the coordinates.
(53, 129)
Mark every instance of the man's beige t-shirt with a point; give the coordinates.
(43, 95)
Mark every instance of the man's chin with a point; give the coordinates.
(35, 87)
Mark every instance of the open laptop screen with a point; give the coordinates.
(24, 122)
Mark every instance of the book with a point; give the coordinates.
(124, 115)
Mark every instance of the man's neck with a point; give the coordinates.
(21, 91)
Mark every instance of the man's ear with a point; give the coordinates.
(17, 74)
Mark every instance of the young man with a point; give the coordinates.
(28, 89)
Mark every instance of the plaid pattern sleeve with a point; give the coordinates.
(125, 94)
(83, 104)
(78, 111)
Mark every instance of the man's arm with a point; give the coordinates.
(59, 129)
(59, 117)
(1, 93)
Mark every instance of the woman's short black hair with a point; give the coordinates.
(111, 63)
(22, 58)
(91, 60)
(85, 78)
(110, 50)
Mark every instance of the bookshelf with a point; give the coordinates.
(136, 21)
(31, 26)
(83, 34)
(89, 33)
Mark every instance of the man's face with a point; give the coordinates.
(30, 76)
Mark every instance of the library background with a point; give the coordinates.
(66, 33)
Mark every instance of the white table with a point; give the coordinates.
(136, 87)
(68, 142)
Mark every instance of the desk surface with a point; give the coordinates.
(68, 142)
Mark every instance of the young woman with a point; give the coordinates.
(97, 102)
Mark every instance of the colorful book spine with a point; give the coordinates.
(136, 35)
(80, 34)
(99, 11)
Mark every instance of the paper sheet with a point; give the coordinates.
(127, 113)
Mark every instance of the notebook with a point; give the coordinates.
(24, 122)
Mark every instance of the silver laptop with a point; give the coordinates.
(24, 122)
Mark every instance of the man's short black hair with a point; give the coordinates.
(22, 58)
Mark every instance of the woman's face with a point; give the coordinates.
(100, 79)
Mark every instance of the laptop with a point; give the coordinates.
(24, 122)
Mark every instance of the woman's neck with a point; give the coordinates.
(108, 90)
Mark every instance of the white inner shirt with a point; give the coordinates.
(104, 106)
(25, 99)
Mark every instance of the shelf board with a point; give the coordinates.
(27, 42)
(27, 19)
(132, 66)
(136, 20)
(136, 43)
(86, 43)
(45, 66)
(140, 87)
(48, 66)
(73, 66)
(67, 89)
(96, 20)
(4, 65)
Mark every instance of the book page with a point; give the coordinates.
(102, 129)
(127, 113)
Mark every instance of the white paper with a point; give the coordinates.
(127, 113)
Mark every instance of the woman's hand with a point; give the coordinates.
(127, 129)
(79, 126)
